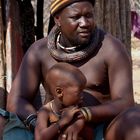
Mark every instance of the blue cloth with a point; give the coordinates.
(99, 132)
(16, 130)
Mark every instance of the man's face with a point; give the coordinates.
(77, 23)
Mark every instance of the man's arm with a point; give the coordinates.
(25, 86)
(119, 68)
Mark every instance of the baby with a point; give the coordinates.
(66, 83)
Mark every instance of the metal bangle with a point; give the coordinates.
(88, 113)
(84, 114)
(30, 121)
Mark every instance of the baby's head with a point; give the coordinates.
(66, 82)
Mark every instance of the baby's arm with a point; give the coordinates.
(45, 132)
(42, 130)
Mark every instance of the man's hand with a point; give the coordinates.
(73, 130)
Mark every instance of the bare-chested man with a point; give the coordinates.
(77, 40)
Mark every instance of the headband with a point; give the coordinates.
(57, 5)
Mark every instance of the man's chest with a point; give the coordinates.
(95, 71)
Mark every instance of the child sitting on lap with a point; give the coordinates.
(66, 83)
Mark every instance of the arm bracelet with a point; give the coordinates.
(86, 113)
(30, 122)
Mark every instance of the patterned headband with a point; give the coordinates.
(57, 5)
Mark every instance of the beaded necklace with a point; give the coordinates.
(66, 49)
(77, 55)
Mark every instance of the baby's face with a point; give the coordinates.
(72, 95)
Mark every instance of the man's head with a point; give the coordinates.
(66, 82)
(75, 18)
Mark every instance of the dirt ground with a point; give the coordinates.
(136, 68)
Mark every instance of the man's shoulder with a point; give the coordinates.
(113, 43)
(108, 37)
(38, 46)
(40, 43)
(38, 51)
(115, 49)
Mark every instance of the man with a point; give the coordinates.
(77, 40)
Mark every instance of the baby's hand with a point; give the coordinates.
(68, 114)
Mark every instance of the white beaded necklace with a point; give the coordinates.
(53, 110)
(67, 49)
